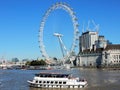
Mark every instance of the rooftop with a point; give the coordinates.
(92, 50)
(112, 46)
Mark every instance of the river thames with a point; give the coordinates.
(97, 79)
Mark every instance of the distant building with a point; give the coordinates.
(95, 51)
(87, 40)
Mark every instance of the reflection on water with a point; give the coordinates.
(97, 79)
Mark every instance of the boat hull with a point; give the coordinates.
(32, 84)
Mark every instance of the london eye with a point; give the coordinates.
(65, 52)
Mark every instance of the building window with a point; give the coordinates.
(116, 56)
(119, 56)
(105, 55)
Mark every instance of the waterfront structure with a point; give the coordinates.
(10, 65)
(95, 51)
(57, 80)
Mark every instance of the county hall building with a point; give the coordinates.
(95, 51)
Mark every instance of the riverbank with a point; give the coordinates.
(93, 68)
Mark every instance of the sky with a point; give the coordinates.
(20, 23)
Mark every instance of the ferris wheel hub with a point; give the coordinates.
(57, 34)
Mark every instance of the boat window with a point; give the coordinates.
(44, 81)
(57, 76)
(60, 82)
(56, 82)
(48, 81)
(54, 76)
(41, 76)
(51, 81)
(40, 81)
(49, 75)
(36, 81)
(45, 75)
(64, 82)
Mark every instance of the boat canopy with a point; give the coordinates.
(52, 75)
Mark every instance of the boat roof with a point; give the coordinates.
(52, 74)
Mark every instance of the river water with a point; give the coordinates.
(97, 79)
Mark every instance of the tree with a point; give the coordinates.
(36, 62)
(28, 63)
(42, 62)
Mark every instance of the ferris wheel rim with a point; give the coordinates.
(66, 7)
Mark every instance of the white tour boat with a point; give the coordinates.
(55, 80)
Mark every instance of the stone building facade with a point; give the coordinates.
(111, 55)
(95, 51)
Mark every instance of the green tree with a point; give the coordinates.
(36, 62)
(28, 63)
(42, 62)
